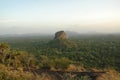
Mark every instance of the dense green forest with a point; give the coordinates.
(83, 53)
(89, 52)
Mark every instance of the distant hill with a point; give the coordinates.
(72, 33)
(61, 41)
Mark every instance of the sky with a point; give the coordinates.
(49, 16)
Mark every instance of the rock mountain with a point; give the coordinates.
(60, 35)
(61, 41)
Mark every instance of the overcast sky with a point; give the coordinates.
(47, 16)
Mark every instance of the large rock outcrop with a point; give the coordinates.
(61, 41)
(60, 35)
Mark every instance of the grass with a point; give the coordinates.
(6, 73)
(110, 75)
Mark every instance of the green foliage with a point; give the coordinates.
(102, 51)
(61, 63)
(62, 44)
(56, 63)
(5, 76)
(4, 50)
(89, 52)
(16, 59)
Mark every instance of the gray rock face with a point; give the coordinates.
(60, 35)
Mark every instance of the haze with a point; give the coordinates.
(49, 16)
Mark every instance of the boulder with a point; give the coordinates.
(60, 35)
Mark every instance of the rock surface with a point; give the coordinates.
(61, 41)
(60, 35)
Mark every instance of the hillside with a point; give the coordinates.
(84, 54)
(61, 41)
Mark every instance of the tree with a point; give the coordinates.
(4, 51)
